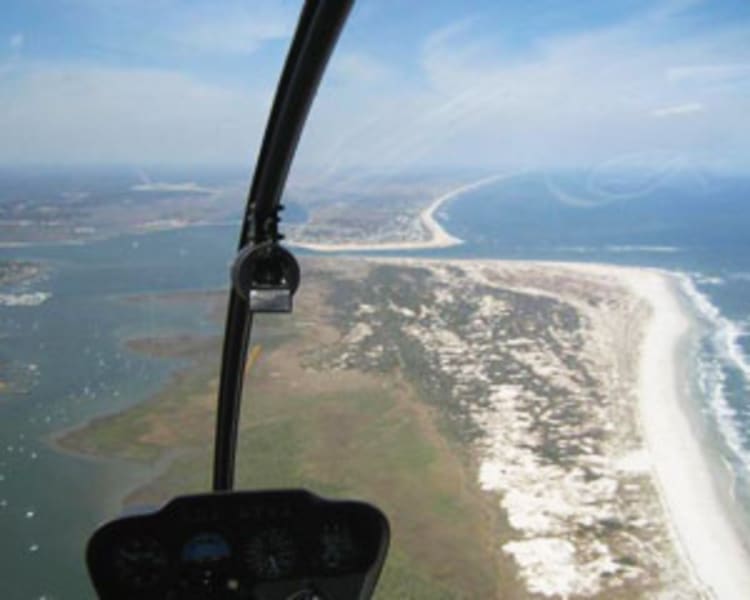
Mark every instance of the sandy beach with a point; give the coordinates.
(641, 330)
(561, 382)
(704, 531)
(438, 237)
(701, 526)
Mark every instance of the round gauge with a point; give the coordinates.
(336, 546)
(204, 558)
(140, 562)
(205, 549)
(271, 554)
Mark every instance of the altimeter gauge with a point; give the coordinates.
(140, 562)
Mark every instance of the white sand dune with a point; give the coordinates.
(702, 527)
(696, 514)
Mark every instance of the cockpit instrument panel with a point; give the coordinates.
(264, 545)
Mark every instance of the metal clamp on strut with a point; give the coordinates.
(267, 276)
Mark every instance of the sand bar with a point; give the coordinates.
(438, 237)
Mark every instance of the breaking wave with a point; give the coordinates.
(724, 355)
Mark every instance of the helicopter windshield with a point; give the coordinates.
(521, 321)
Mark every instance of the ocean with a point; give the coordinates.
(691, 224)
(63, 359)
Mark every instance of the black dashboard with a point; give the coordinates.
(263, 545)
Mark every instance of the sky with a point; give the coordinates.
(412, 85)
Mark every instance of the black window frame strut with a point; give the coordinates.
(318, 30)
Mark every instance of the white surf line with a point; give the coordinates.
(704, 530)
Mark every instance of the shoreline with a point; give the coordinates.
(702, 526)
(698, 519)
(439, 237)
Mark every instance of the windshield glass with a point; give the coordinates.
(522, 324)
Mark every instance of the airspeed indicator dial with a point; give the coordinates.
(271, 554)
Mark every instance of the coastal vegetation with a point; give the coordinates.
(483, 406)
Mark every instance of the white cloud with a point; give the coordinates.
(578, 99)
(709, 73)
(358, 68)
(677, 110)
(88, 114)
(177, 28)
(9, 63)
(241, 30)
(16, 41)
